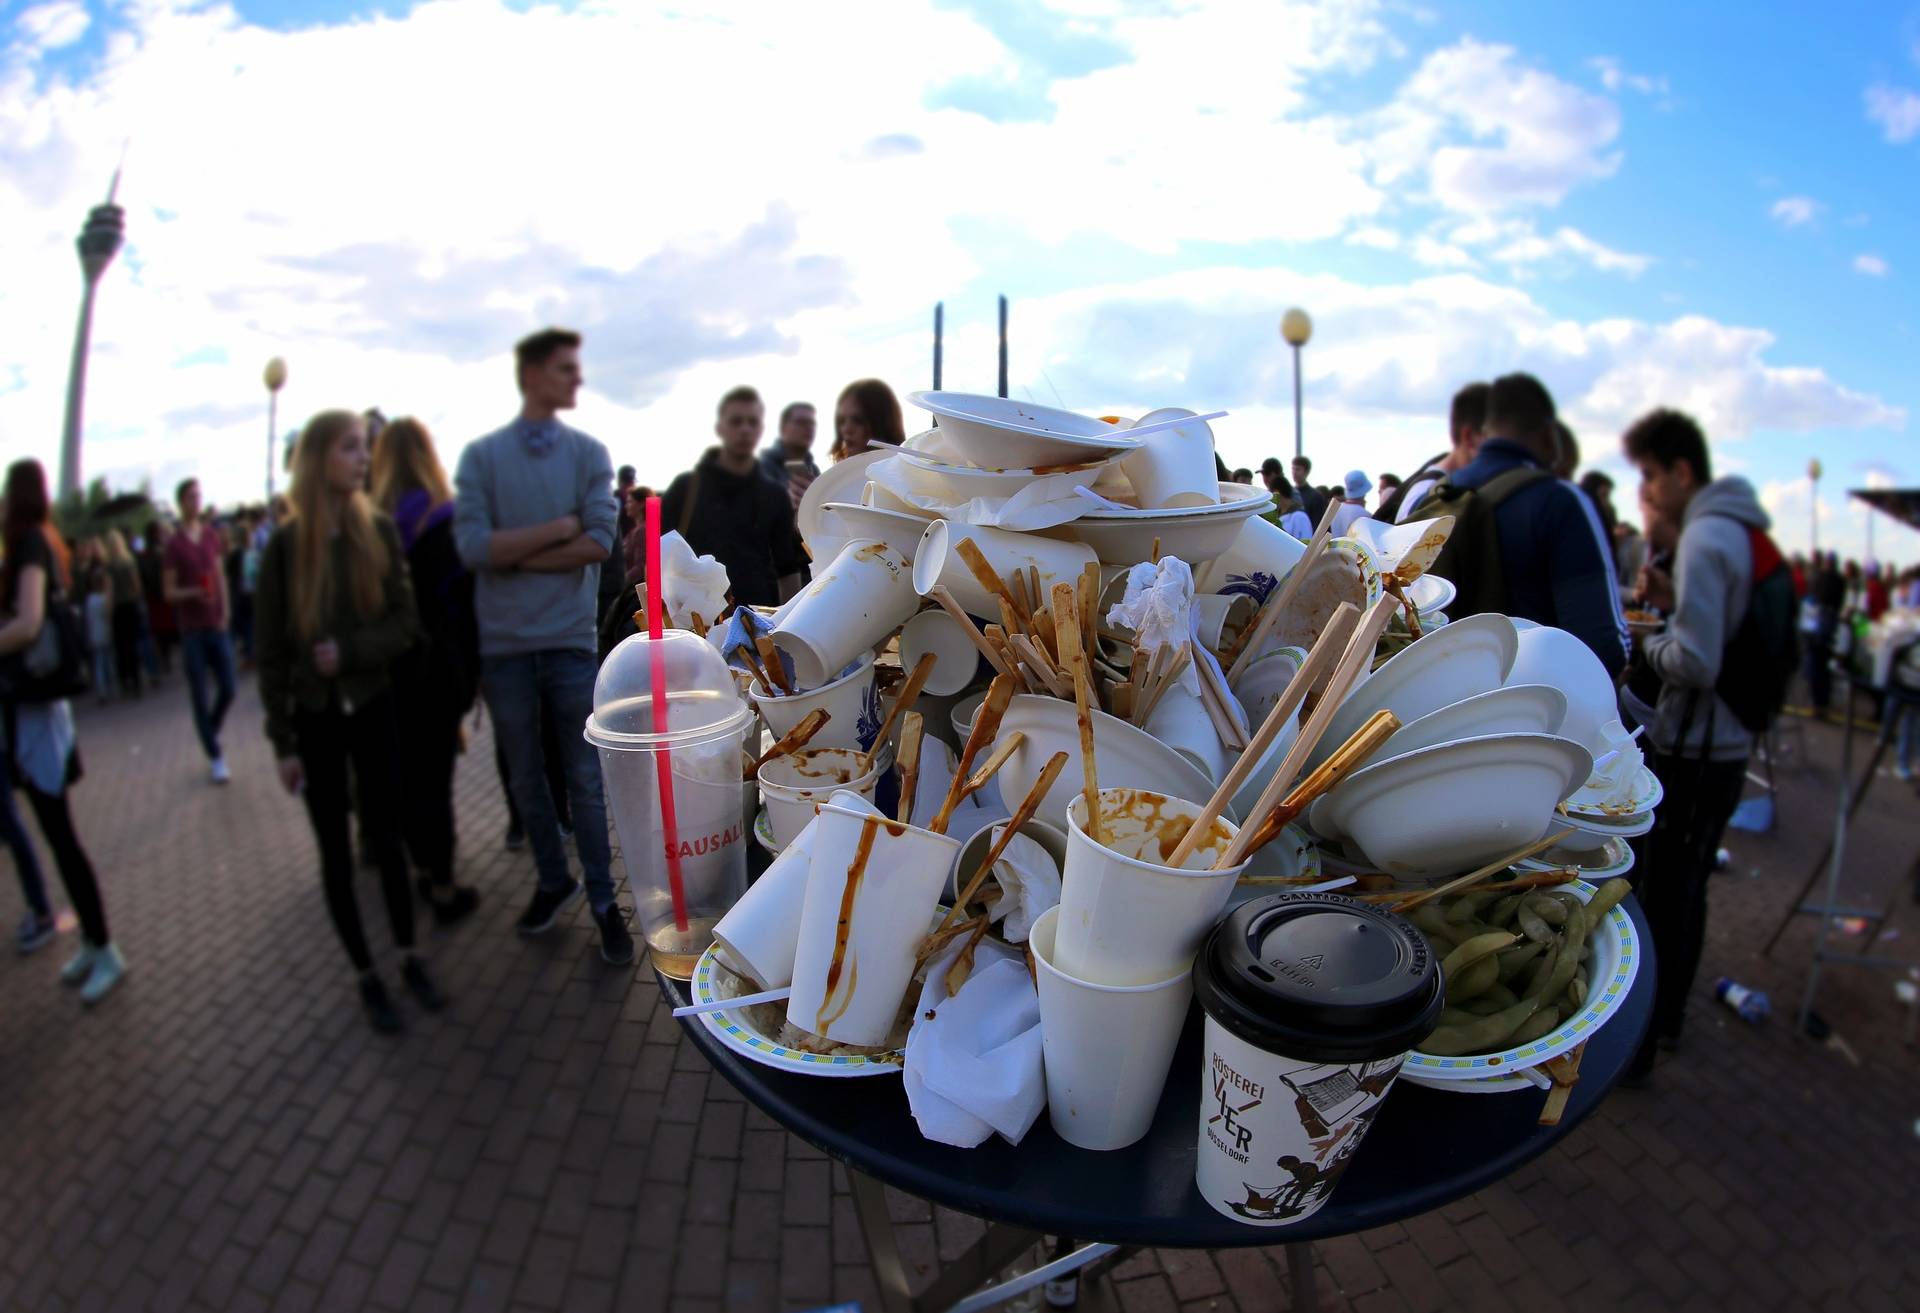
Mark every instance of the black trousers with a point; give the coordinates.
(76, 869)
(126, 644)
(1676, 860)
(429, 745)
(368, 739)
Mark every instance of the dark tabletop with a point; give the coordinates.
(1426, 1148)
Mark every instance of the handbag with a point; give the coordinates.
(54, 665)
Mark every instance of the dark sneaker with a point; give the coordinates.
(420, 985)
(34, 933)
(380, 1013)
(546, 907)
(516, 838)
(616, 941)
(456, 908)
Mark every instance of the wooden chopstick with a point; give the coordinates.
(1021, 815)
(795, 739)
(771, 656)
(1066, 619)
(986, 724)
(1380, 727)
(1474, 877)
(912, 734)
(943, 596)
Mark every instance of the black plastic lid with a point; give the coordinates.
(1320, 978)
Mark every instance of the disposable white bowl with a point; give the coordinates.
(1515, 709)
(1545, 655)
(960, 484)
(1264, 679)
(1196, 535)
(794, 784)
(842, 522)
(1467, 657)
(1002, 433)
(1446, 809)
(1430, 593)
(1390, 543)
(1126, 756)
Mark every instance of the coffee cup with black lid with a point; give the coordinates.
(1312, 1002)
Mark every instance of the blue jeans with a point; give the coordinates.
(209, 651)
(26, 864)
(515, 686)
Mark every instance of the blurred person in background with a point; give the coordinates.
(1352, 496)
(1312, 500)
(336, 614)
(1385, 485)
(41, 746)
(195, 582)
(97, 610)
(1466, 424)
(438, 678)
(727, 507)
(128, 608)
(1244, 476)
(1820, 620)
(788, 459)
(162, 633)
(867, 412)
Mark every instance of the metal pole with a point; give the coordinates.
(1298, 449)
(939, 332)
(1816, 514)
(273, 427)
(76, 395)
(1003, 346)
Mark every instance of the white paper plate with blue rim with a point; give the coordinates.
(712, 982)
(763, 832)
(1614, 964)
(1594, 865)
(1647, 793)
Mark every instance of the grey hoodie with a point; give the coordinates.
(1713, 580)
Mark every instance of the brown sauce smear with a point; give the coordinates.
(856, 873)
(1164, 829)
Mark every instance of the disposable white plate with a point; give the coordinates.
(839, 482)
(1515, 709)
(1595, 865)
(1001, 433)
(842, 522)
(1647, 793)
(713, 982)
(1611, 969)
(1465, 658)
(763, 832)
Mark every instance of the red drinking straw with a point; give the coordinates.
(663, 762)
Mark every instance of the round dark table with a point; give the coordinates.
(1425, 1149)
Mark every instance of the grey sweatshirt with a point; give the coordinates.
(1713, 580)
(502, 483)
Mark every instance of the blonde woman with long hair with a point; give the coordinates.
(438, 680)
(335, 613)
(128, 607)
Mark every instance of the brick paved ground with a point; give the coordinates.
(226, 1133)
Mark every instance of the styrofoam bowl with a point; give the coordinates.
(1466, 658)
(1126, 756)
(1546, 655)
(1514, 709)
(1196, 535)
(1004, 433)
(1446, 809)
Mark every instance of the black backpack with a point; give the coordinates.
(1763, 655)
(1471, 559)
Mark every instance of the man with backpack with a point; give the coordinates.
(1724, 662)
(1522, 544)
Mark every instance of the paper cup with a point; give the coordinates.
(1125, 919)
(1107, 1047)
(871, 891)
(961, 717)
(795, 784)
(955, 659)
(1312, 1002)
(757, 937)
(1174, 468)
(854, 604)
(938, 562)
(1262, 681)
(1254, 563)
(852, 704)
(973, 849)
(1180, 721)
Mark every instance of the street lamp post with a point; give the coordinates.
(275, 378)
(1813, 474)
(98, 242)
(1296, 328)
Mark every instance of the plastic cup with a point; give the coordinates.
(872, 888)
(852, 704)
(1173, 468)
(795, 784)
(955, 659)
(1107, 1047)
(938, 562)
(1312, 1002)
(855, 603)
(1126, 919)
(757, 937)
(706, 726)
(1180, 721)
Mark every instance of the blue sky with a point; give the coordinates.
(1712, 206)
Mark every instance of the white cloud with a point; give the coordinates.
(1793, 211)
(1490, 133)
(1871, 265)
(1375, 237)
(1441, 255)
(52, 25)
(1896, 110)
(1518, 244)
(1614, 77)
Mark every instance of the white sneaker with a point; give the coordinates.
(108, 967)
(79, 966)
(221, 775)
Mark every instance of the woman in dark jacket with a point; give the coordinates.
(335, 613)
(437, 680)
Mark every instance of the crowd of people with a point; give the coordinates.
(381, 600)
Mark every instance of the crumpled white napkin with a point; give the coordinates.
(1158, 608)
(1029, 883)
(694, 585)
(974, 1067)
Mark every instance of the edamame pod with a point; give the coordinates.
(1473, 950)
(1550, 910)
(1534, 927)
(1473, 981)
(1536, 1026)
(1483, 1035)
